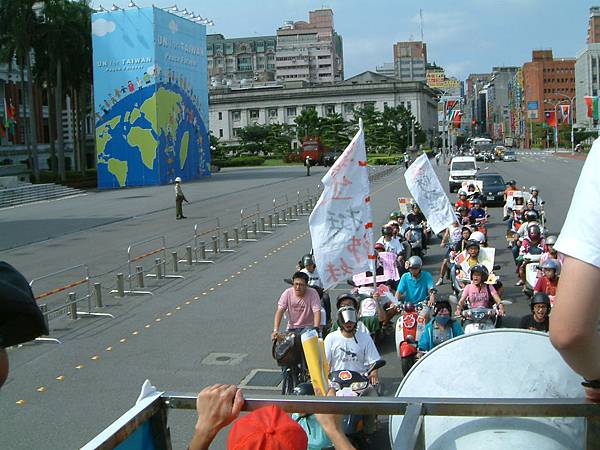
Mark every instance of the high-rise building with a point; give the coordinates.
(410, 60)
(476, 103)
(311, 51)
(251, 58)
(546, 82)
(498, 108)
(387, 69)
(594, 25)
(587, 74)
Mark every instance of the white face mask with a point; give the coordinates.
(349, 315)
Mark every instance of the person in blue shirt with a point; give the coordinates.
(416, 285)
(477, 212)
(441, 328)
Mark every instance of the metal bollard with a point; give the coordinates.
(245, 232)
(175, 262)
(262, 224)
(120, 285)
(98, 295)
(270, 217)
(72, 305)
(290, 215)
(44, 310)
(188, 255)
(226, 239)
(296, 211)
(255, 229)
(139, 271)
(277, 219)
(158, 266)
(236, 237)
(203, 251)
(284, 216)
(301, 208)
(215, 244)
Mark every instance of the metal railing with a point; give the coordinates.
(410, 435)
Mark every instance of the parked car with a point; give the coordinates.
(493, 188)
(330, 158)
(509, 155)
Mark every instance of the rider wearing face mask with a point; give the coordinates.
(441, 328)
(540, 310)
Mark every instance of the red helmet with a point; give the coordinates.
(380, 247)
(534, 232)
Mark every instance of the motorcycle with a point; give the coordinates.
(479, 319)
(530, 262)
(348, 383)
(415, 239)
(409, 327)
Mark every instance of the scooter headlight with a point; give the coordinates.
(359, 385)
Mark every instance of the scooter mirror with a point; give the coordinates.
(351, 283)
(377, 365)
(288, 281)
(497, 267)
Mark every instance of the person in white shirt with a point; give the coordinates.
(576, 310)
(179, 199)
(392, 244)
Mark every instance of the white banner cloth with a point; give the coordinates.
(427, 191)
(340, 224)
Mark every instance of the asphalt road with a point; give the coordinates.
(214, 325)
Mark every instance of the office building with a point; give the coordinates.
(410, 60)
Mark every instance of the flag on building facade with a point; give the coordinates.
(565, 110)
(592, 106)
(551, 118)
(457, 118)
(341, 223)
(449, 106)
(427, 191)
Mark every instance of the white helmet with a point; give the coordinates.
(533, 188)
(478, 236)
(178, 180)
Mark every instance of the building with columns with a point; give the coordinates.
(231, 109)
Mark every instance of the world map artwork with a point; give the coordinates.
(157, 125)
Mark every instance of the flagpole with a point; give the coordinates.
(374, 264)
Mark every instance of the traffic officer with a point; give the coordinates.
(179, 199)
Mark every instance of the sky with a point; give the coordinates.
(463, 36)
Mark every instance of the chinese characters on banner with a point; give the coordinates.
(427, 191)
(341, 224)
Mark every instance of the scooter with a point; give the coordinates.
(416, 239)
(348, 383)
(409, 327)
(479, 319)
(531, 261)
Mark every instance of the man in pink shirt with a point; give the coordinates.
(301, 303)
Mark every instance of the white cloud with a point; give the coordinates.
(102, 27)
(173, 26)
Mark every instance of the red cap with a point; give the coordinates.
(267, 428)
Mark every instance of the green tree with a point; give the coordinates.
(280, 138)
(18, 25)
(254, 138)
(335, 131)
(308, 123)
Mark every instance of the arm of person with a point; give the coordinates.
(497, 299)
(574, 318)
(457, 329)
(277, 321)
(424, 341)
(539, 285)
(217, 407)
(401, 290)
(332, 427)
(445, 238)
(461, 303)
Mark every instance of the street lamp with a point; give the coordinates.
(571, 100)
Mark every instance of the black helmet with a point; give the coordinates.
(480, 268)
(307, 260)
(387, 230)
(512, 183)
(540, 298)
(440, 304)
(304, 389)
(346, 296)
(472, 243)
(531, 216)
(534, 231)
(347, 314)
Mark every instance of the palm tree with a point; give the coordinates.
(18, 23)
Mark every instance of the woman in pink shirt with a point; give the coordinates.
(480, 295)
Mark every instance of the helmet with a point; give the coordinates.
(380, 247)
(462, 192)
(512, 183)
(462, 208)
(472, 243)
(394, 215)
(480, 268)
(386, 230)
(539, 298)
(307, 260)
(409, 306)
(476, 201)
(440, 304)
(531, 216)
(478, 236)
(551, 240)
(550, 264)
(346, 296)
(533, 188)
(178, 180)
(415, 262)
(534, 232)
(401, 216)
(392, 223)
(346, 314)
(304, 389)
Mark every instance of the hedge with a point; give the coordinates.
(383, 160)
(239, 161)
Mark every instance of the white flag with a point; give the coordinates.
(427, 191)
(341, 224)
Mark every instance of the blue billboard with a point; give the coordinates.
(151, 97)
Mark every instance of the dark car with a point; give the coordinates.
(493, 189)
(330, 158)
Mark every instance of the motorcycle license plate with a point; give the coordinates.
(490, 197)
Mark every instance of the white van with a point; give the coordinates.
(461, 168)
